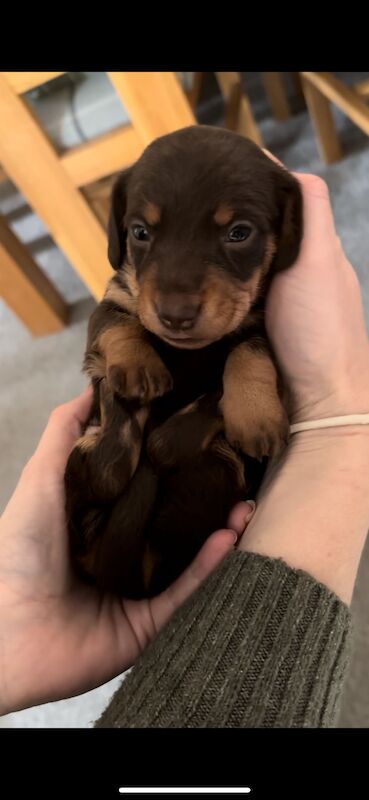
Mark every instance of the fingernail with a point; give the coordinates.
(235, 537)
(249, 514)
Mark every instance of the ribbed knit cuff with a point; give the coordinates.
(258, 645)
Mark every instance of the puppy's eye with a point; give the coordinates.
(239, 233)
(140, 233)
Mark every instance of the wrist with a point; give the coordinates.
(342, 400)
(313, 507)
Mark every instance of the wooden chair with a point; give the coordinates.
(323, 88)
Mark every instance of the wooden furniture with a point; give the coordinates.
(26, 289)
(323, 88)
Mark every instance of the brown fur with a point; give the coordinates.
(186, 393)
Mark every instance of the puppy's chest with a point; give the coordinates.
(194, 373)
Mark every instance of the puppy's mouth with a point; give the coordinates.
(181, 340)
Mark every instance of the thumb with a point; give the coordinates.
(62, 430)
(216, 547)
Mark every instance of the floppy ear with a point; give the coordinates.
(290, 225)
(117, 233)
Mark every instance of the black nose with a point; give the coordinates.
(177, 314)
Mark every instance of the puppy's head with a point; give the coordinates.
(196, 225)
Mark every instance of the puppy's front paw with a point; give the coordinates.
(261, 436)
(143, 382)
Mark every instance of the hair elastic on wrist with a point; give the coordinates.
(330, 422)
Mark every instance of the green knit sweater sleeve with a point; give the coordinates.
(258, 645)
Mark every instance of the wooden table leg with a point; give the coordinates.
(277, 95)
(230, 86)
(322, 119)
(32, 164)
(25, 288)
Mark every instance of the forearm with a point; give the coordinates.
(258, 645)
(313, 511)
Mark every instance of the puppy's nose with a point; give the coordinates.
(177, 313)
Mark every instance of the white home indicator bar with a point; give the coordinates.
(185, 789)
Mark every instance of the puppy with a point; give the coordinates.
(187, 400)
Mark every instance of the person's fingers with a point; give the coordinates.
(63, 429)
(241, 515)
(209, 557)
(318, 216)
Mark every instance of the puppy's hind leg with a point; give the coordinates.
(121, 560)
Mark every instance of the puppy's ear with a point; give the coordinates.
(289, 224)
(117, 233)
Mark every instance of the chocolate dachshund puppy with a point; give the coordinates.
(187, 399)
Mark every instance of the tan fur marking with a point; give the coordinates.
(221, 447)
(151, 213)
(223, 214)
(129, 356)
(114, 342)
(95, 366)
(253, 414)
(87, 442)
(120, 297)
(191, 407)
(131, 280)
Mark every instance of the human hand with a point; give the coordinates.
(315, 319)
(58, 636)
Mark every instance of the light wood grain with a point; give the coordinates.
(102, 156)
(362, 87)
(322, 120)
(277, 95)
(344, 97)
(24, 81)
(231, 87)
(155, 102)
(25, 288)
(32, 164)
(193, 93)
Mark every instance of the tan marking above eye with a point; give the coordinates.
(223, 214)
(151, 214)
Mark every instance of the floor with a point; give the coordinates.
(37, 374)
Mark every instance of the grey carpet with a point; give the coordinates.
(37, 374)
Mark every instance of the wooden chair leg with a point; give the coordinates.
(155, 102)
(193, 93)
(344, 97)
(277, 95)
(25, 288)
(297, 85)
(322, 119)
(31, 162)
(230, 85)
